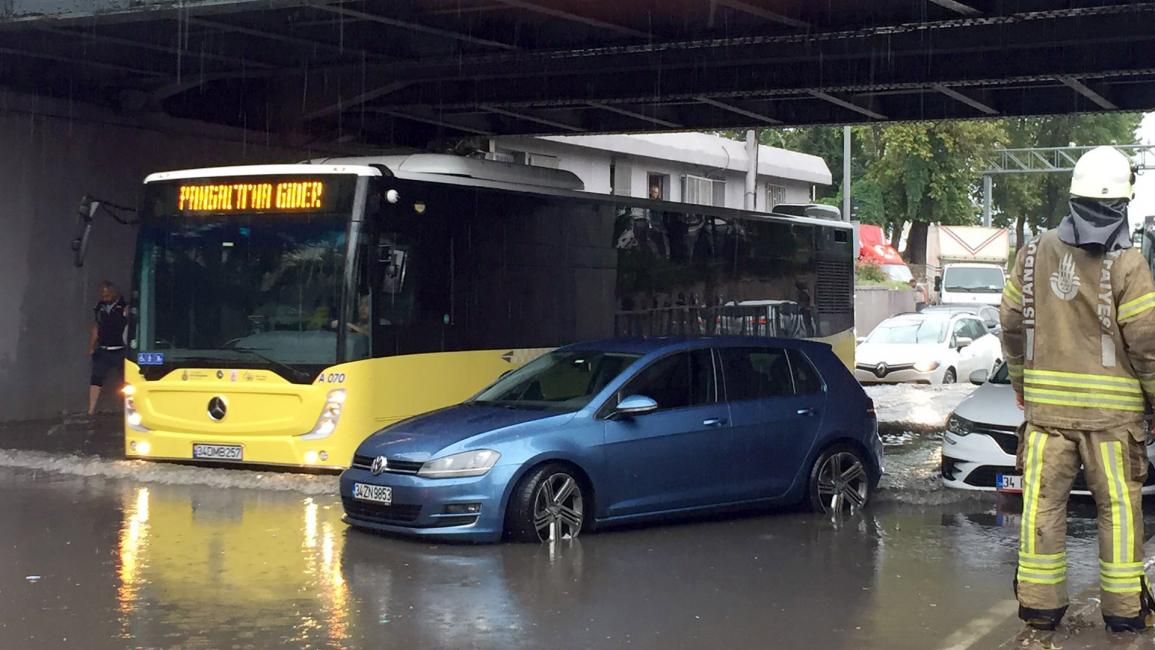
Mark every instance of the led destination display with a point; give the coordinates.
(252, 197)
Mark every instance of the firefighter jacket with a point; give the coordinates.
(1079, 335)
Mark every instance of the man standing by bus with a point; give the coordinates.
(108, 339)
(1078, 320)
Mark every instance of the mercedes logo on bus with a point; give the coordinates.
(380, 464)
(218, 408)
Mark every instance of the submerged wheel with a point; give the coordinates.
(839, 481)
(950, 377)
(548, 505)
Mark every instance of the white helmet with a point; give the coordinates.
(1102, 173)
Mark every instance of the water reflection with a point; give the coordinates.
(202, 566)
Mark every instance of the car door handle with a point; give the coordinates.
(805, 412)
(714, 422)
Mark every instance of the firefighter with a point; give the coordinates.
(1079, 338)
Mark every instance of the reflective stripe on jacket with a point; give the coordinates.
(1079, 334)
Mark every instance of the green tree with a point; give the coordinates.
(1039, 201)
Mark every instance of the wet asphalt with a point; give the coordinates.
(104, 553)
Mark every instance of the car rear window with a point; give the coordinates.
(756, 373)
(807, 381)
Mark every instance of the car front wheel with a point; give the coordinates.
(949, 377)
(839, 481)
(548, 505)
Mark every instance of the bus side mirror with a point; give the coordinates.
(86, 210)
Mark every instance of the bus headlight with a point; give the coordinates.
(465, 464)
(132, 418)
(330, 416)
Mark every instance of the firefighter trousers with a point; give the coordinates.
(1115, 466)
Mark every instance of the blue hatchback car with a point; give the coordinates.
(621, 430)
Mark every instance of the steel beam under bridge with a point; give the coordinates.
(86, 10)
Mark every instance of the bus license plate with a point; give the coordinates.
(375, 493)
(1009, 483)
(218, 452)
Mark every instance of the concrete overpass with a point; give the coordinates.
(95, 94)
(411, 72)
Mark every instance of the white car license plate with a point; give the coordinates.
(375, 493)
(218, 452)
(1008, 483)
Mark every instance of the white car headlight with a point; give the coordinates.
(465, 464)
(926, 366)
(959, 426)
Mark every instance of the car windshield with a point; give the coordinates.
(898, 272)
(563, 380)
(973, 279)
(1001, 376)
(910, 330)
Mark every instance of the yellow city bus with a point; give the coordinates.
(282, 313)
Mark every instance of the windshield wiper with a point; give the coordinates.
(300, 374)
(280, 364)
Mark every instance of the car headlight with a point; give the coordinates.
(330, 416)
(959, 426)
(926, 366)
(467, 463)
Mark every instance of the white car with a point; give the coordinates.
(978, 448)
(928, 348)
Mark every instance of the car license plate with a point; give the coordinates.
(218, 452)
(375, 493)
(1009, 483)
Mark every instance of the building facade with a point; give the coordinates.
(684, 167)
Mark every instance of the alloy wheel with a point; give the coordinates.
(557, 508)
(843, 485)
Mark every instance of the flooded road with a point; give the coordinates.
(100, 553)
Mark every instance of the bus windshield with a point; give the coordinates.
(242, 289)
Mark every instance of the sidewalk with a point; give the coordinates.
(1081, 629)
(101, 435)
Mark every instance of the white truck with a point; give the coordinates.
(968, 263)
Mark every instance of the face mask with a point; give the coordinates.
(1093, 222)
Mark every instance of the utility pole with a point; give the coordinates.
(846, 173)
(988, 198)
(751, 170)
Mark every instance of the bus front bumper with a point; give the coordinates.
(252, 449)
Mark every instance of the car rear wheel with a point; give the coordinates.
(548, 505)
(950, 377)
(839, 481)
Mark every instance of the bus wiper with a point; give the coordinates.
(280, 364)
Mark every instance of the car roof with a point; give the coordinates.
(646, 345)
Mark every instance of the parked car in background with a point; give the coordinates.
(623, 430)
(986, 313)
(873, 248)
(978, 448)
(926, 348)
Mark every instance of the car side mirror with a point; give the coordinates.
(963, 341)
(860, 340)
(980, 377)
(635, 405)
(938, 283)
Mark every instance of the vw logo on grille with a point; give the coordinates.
(218, 408)
(880, 370)
(380, 464)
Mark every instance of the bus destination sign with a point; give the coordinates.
(278, 196)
